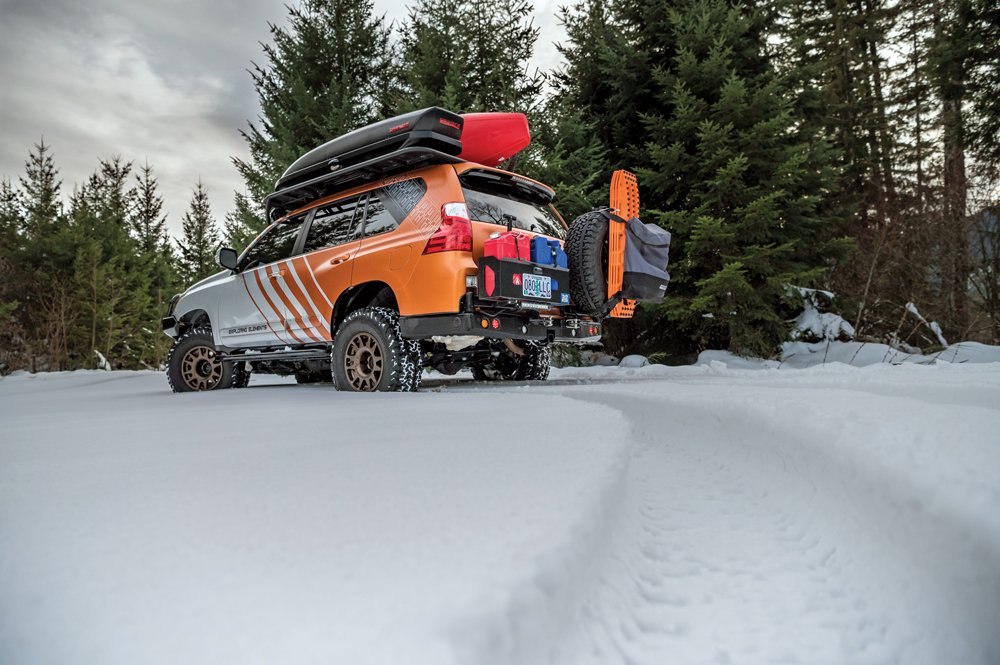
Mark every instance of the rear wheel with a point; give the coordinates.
(241, 375)
(194, 365)
(516, 361)
(370, 353)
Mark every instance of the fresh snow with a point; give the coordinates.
(703, 514)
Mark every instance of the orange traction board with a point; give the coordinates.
(625, 204)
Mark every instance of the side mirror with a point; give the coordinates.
(226, 258)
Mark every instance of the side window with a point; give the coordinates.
(276, 243)
(378, 219)
(335, 224)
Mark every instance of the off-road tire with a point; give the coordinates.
(241, 375)
(417, 358)
(193, 363)
(533, 365)
(587, 252)
(370, 353)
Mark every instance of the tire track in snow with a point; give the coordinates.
(749, 542)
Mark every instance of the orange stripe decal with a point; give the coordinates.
(314, 327)
(267, 298)
(309, 301)
(262, 315)
(280, 287)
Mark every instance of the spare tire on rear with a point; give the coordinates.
(587, 251)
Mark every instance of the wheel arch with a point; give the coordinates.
(192, 319)
(362, 295)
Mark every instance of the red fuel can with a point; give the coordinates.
(508, 245)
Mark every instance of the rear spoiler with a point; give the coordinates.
(525, 188)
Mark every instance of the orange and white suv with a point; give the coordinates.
(393, 248)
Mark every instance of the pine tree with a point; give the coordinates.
(41, 186)
(470, 55)
(983, 82)
(567, 151)
(200, 239)
(328, 72)
(833, 53)
(149, 226)
(736, 181)
(41, 264)
(112, 280)
(10, 248)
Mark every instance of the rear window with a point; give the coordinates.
(498, 205)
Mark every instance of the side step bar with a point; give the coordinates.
(290, 356)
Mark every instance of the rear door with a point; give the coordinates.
(326, 266)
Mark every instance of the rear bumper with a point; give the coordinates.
(507, 326)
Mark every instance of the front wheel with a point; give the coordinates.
(370, 353)
(194, 365)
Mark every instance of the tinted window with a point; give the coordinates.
(276, 243)
(400, 198)
(378, 219)
(335, 224)
(499, 206)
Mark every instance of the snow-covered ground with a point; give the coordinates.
(646, 515)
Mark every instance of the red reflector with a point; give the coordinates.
(491, 280)
(496, 324)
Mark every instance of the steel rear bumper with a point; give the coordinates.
(503, 326)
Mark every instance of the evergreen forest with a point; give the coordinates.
(849, 146)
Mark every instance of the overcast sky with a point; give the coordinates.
(163, 80)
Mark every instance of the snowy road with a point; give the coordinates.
(688, 515)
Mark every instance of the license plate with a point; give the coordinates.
(536, 286)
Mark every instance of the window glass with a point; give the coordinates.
(335, 224)
(378, 219)
(498, 206)
(276, 243)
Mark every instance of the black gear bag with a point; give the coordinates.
(647, 250)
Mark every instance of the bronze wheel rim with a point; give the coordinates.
(201, 368)
(364, 362)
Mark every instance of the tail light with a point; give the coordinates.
(455, 232)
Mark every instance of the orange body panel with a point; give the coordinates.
(422, 284)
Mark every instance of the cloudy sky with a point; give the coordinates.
(157, 80)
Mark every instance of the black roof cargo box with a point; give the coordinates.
(428, 136)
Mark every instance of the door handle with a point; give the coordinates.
(276, 275)
(338, 260)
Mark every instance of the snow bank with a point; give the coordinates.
(799, 355)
